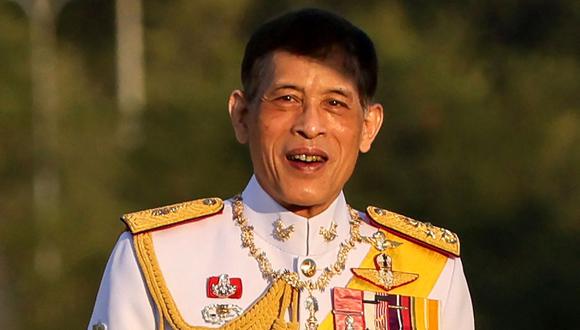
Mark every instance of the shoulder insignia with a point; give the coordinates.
(441, 239)
(141, 221)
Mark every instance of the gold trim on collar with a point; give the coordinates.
(146, 220)
(440, 239)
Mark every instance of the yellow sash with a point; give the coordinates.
(409, 257)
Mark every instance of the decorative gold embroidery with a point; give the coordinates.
(383, 274)
(141, 221)
(439, 238)
(282, 232)
(292, 278)
(380, 242)
(330, 233)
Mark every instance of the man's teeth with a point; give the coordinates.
(306, 158)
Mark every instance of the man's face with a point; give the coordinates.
(305, 129)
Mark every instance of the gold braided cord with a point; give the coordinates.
(142, 251)
(292, 278)
(266, 313)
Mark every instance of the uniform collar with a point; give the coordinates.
(262, 211)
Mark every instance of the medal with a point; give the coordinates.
(219, 314)
(224, 287)
(312, 307)
(383, 274)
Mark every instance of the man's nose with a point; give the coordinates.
(310, 122)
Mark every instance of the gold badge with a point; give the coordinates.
(219, 314)
(330, 233)
(224, 288)
(308, 267)
(383, 275)
(312, 307)
(282, 232)
(380, 242)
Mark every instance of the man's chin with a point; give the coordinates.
(310, 202)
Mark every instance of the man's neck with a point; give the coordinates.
(306, 211)
(255, 190)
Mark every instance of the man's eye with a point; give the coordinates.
(336, 103)
(287, 98)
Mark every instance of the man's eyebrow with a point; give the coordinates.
(340, 91)
(286, 86)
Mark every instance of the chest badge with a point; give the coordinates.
(329, 234)
(282, 232)
(223, 286)
(383, 274)
(220, 314)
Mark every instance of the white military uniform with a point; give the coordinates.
(190, 252)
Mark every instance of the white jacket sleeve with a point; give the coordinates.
(123, 301)
(457, 313)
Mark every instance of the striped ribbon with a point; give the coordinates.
(381, 311)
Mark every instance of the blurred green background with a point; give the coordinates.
(482, 136)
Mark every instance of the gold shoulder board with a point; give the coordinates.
(142, 221)
(440, 239)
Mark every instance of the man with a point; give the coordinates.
(289, 252)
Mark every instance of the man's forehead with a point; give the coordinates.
(276, 63)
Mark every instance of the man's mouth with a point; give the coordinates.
(306, 158)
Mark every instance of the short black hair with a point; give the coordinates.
(313, 33)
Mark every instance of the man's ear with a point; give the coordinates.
(238, 109)
(372, 122)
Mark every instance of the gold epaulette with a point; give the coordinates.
(142, 221)
(438, 238)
